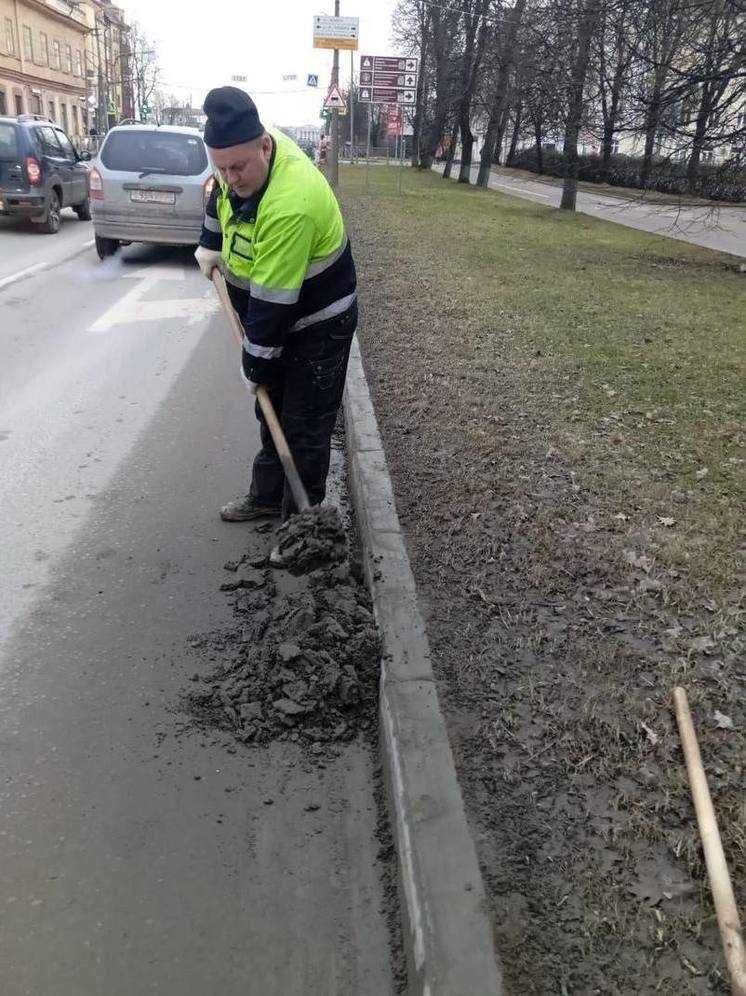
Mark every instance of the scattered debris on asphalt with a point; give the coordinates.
(302, 663)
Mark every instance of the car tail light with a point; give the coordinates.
(209, 187)
(33, 171)
(95, 185)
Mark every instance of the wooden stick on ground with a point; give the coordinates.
(270, 416)
(717, 870)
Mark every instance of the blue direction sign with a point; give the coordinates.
(313, 80)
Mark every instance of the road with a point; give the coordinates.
(724, 229)
(140, 855)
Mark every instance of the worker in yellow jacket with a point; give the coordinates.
(273, 226)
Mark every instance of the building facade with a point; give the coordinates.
(304, 134)
(41, 61)
(65, 60)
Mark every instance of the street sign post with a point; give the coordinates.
(336, 32)
(388, 79)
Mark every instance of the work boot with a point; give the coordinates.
(246, 508)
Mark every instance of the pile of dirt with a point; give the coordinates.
(314, 538)
(302, 663)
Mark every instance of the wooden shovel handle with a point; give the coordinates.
(717, 870)
(270, 416)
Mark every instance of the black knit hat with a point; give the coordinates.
(232, 118)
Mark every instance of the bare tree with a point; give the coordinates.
(444, 22)
(474, 31)
(412, 29)
(615, 58)
(505, 56)
(144, 70)
(587, 13)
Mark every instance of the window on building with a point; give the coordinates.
(63, 109)
(3, 103)
(78, 62)
(10, 37)
(56, 54)
(51, 111)
(68, 59)
(707, 155)
(43, 49)
(36, 103)
(28, 44)
(18, 98)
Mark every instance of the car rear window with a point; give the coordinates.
(8, 143)
(159, 151)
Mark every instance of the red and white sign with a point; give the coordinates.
(394, 120)
(334, 99)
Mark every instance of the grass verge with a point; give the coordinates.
(562, 403)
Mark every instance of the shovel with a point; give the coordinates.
(270, 416)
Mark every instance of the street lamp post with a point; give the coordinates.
(334, 150)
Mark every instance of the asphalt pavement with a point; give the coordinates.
(722, 228)
(139, 854)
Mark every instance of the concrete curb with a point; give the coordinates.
(447, 929)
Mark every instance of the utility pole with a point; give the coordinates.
(334, 150)
(352, 106)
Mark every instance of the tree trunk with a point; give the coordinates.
(516, 135)
(467, 144)
(499, 100)
(607, 146)
(698, 141)
(501, 133)
(487, 155)
(451, 155)
(575, 108)
(612, 117)
(419, 113)
(539, 136)
(650, 127)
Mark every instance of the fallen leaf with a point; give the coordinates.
(621, 517)
(722, 721)
(702, 472)
(666, 520)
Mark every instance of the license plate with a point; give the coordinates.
(153, 196)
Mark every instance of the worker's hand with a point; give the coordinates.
(207, 259)
(258, 371)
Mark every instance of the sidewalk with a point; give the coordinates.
(721, 228)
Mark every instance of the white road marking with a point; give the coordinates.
(7, 281)
(47, 265)
(132, 308)
(522, 190)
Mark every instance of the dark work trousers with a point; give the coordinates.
(306, 395)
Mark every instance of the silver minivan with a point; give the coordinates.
(149, 183)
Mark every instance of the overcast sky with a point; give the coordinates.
(202, 45)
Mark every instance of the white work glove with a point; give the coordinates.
(207, 259)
